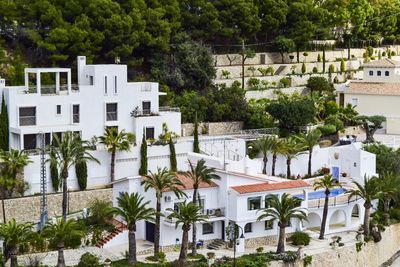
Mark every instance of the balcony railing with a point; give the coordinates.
(211, 213)
(50, 89)
(27, 120)
(143, 113)
(169, 109)
(112, 116)
(75, 118)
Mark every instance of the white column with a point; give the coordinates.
(57, 82)
(69, 81)
(38, 83)
(26, 80)
(21, 140)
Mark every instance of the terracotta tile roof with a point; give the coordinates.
(373, 88)
(383, 63)
(188, 183)
(253, 188)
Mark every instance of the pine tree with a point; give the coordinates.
(143, 157)
(81, 174)
(4, 127)
(196, 147)
(172, 156)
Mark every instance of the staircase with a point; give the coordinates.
(119, 228)
(280, 70)
(216, 244)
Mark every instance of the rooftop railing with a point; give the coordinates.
(211, 213)
(51, 89)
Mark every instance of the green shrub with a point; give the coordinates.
(327, 129)
(303, 68)
(253, 82)
(260, 249)
(395, 214)
(370, 50)
(393, 53)
(300, 239)
(315, 70)
(263, 71)
(88, 260)
(383, 54)
(319, 58)
(81, 174)
(271, 70)
(55, 179)
(333, 120)
(284, 82)
(307, 260)
(325, 143)
(331, 68)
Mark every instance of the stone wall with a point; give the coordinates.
(371, 255)
(260, 94)
(212, 128)
(27, 209)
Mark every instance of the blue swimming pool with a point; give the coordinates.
(321, 194)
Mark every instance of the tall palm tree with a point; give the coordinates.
(291, 149)
(282, 209)
(116, 141)
(187, 214)
(199, 174)
(14, 162)
(68, 151)
(326, 183)
(132, 209)
(368, 191)
(61, 234)
(161, 181)
(389, 185)
(276, 149)
(263, 146)
(15, 235)
(309, 141)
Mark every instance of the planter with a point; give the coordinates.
(107, 263)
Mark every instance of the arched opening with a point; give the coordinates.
(337, 220)
(355, 214)
(313, 223)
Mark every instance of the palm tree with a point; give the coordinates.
(263, 146)
(326, 184)
(62, 234)
(132, 209)
(367, 191)
(199, 174)
(68, 151)
(291, 149)
(187, 214)
(309, 141)
(15, 235)
(282, 209)
(116, 141)
(276, 149)
(14, 162)
(389, 185)
(161, 181)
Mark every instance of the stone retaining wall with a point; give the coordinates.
(212, 128)
(27, 209)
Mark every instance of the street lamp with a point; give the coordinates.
(233, 233)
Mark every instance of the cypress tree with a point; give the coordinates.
(172, 156)
(196, 147)
(55, 179)
(81, 174)
(143, 157)
(4, 145)
(342, 66)
(323, 59)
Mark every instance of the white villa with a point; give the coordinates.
(378, 93)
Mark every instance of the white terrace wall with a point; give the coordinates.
(371, 255)
(27, 209)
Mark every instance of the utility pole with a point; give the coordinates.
(243, 60)
(43, 182)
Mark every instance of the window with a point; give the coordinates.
(248, 228)
(269, 225)
(146, 107)
(27, 116)
(115, 85)
(105, 85)
(75, 114)
(354, 102)
(371, 73)
(112, 111)
(254, 203)
(208, 228)
(149, 133)
(30, 141)
(379, 73)
(58, 110)
(288, 224)
(91, 80)
(386, 73)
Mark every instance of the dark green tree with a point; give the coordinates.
(81, 174)
(4, 126)
(172, 157)
(196, 147)
(284, 45)
(143, 157)
(371, 124)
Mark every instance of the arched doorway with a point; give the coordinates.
(313, 223)
(337, 220)
(355, 214)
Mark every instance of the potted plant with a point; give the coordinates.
(107, 262)
(344, 174)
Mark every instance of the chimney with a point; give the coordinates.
(81, 63)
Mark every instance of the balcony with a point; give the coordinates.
(27, 120)
(215, 214)
(51, 89)
(143, 113)
(169, 109)
(112, 116)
